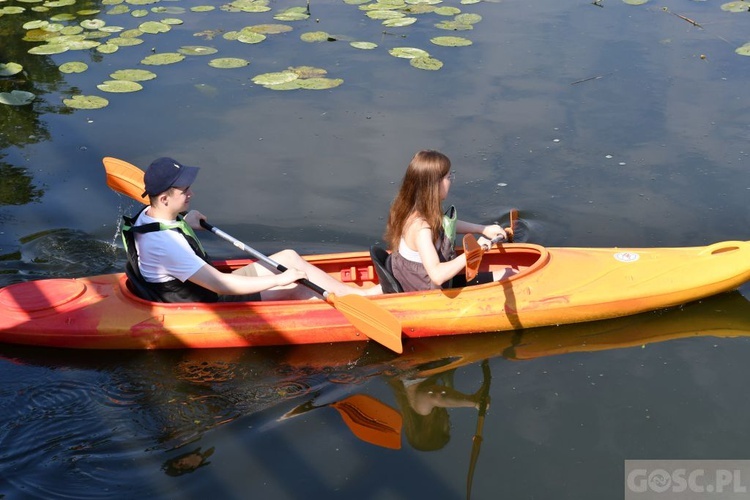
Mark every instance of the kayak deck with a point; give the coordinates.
(552, 286)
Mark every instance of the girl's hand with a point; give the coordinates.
(194, 218)
(494, 231)
(290, 276)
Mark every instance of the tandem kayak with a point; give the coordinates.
(552, 286)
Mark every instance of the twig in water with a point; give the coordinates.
(598, 77)
(684, 18)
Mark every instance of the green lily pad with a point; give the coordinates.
(119, 86)
(202, 8)
(139, 13)
(168, 10)
(107, 48)
(275, 78)
(133, 75)
(16, 98)
(744, 50)
(408, 52)
(468, 18)
(92, 24)
(48, 49)
(73, 67)
(59, 18)
(228, 62)
(121, 41)
(454, 26)
(172, 21)
(111, 29)
(447, 11)
(250, 37)
(451, 41)
(635, 2)
(364, 45)
(71, 30)
(196, 50)
(32, 25)
(308, 71)
(81, 44)
(10, 69)
(269, 29)
(399, 22)
(426, 63)
(293, 85)
(315, 36)
(154, 27)
(88, 12)
(735, 7)
(385, 14)
(11, 9)
(292, 14)
(162, 59)
(319, 83)
(118, 9)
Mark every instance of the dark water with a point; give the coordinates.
(606, 125)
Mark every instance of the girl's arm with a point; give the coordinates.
(489, 232)
(439, 272)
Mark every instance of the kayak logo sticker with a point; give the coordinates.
(627, 256)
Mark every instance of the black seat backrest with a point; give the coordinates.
(381, 259)
(137, 286)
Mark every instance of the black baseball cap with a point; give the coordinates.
(163, 173)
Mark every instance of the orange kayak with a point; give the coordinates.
(552, 286)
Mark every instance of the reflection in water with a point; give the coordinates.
(113, 418)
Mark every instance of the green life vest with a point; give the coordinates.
(449, 224)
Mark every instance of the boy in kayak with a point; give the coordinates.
(421, 237)
(175, 268)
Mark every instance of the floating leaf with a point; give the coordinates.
(119, 86)
(81, 44)
(12, 10)
(228, 62)
(635, 2)
(57, 18)
(196, 50)
(269, 29)
(125, 42)
(275, 78)
(107, 48)
(88, 12)
(32, 25)
(202, 8)
(16, 98)
(454, 26)
(398, 23)
(139, 13)
(168, 10)
(162, 59)
(10, 69)
(111, 29)
(308, 71)
(74, 67)
(93, 24)
(735, 7)
(48, 49)
(408, 52)
(119, 9)
(133, 75)
(385, 14)
(319, 83)
(451, 41)
(447, 11)
(427, 63)
(744, 50)
(468, 18)
(154, 27)
(250, 37)
(364, 45)
(71, 30)
(315, 36)
(86, 102)
(172, 21)
(293, 85)
(292, 14)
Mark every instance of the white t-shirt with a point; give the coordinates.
(164, 255)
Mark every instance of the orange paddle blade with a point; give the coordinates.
(511, 229)
(369, 318)
(473, 252)
(371, 420)
(125, 178)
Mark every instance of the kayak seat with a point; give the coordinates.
(136, 286)
(381, 259)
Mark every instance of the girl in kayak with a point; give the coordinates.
(421, 236)
(171, 263)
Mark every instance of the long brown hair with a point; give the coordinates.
(419, 195)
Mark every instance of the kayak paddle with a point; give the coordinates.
(377, 323)
(474, 251)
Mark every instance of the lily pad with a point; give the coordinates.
(172, 21)
(308, 71)
(16, 98)
(12, 9)
(447, 11)
(48, 49)
(228, 62)
(735, 7)
(293, 14)
(635, 2)
(82, 44)
(454, 26)
(468, 18)
(408, 52)
(139, 13)
(202, 8)
(93, 24)
(107, 48)
(269, 29)
(293, 85)
(744, 50)
(88, 12)
(121, 41)
(319, 83)
(426, 63)
(119, 86)
(154, 27)
(73, 67)
(275, 78)
(399, 22)
(315, 36)
(451, 41)
(385, 14)
(118, 9)
(10, 69)
(364, 45)
(250, 37)
(162, 59)
(196, 50)
(133, 75)
(32, 25)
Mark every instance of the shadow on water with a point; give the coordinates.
(78, 422)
